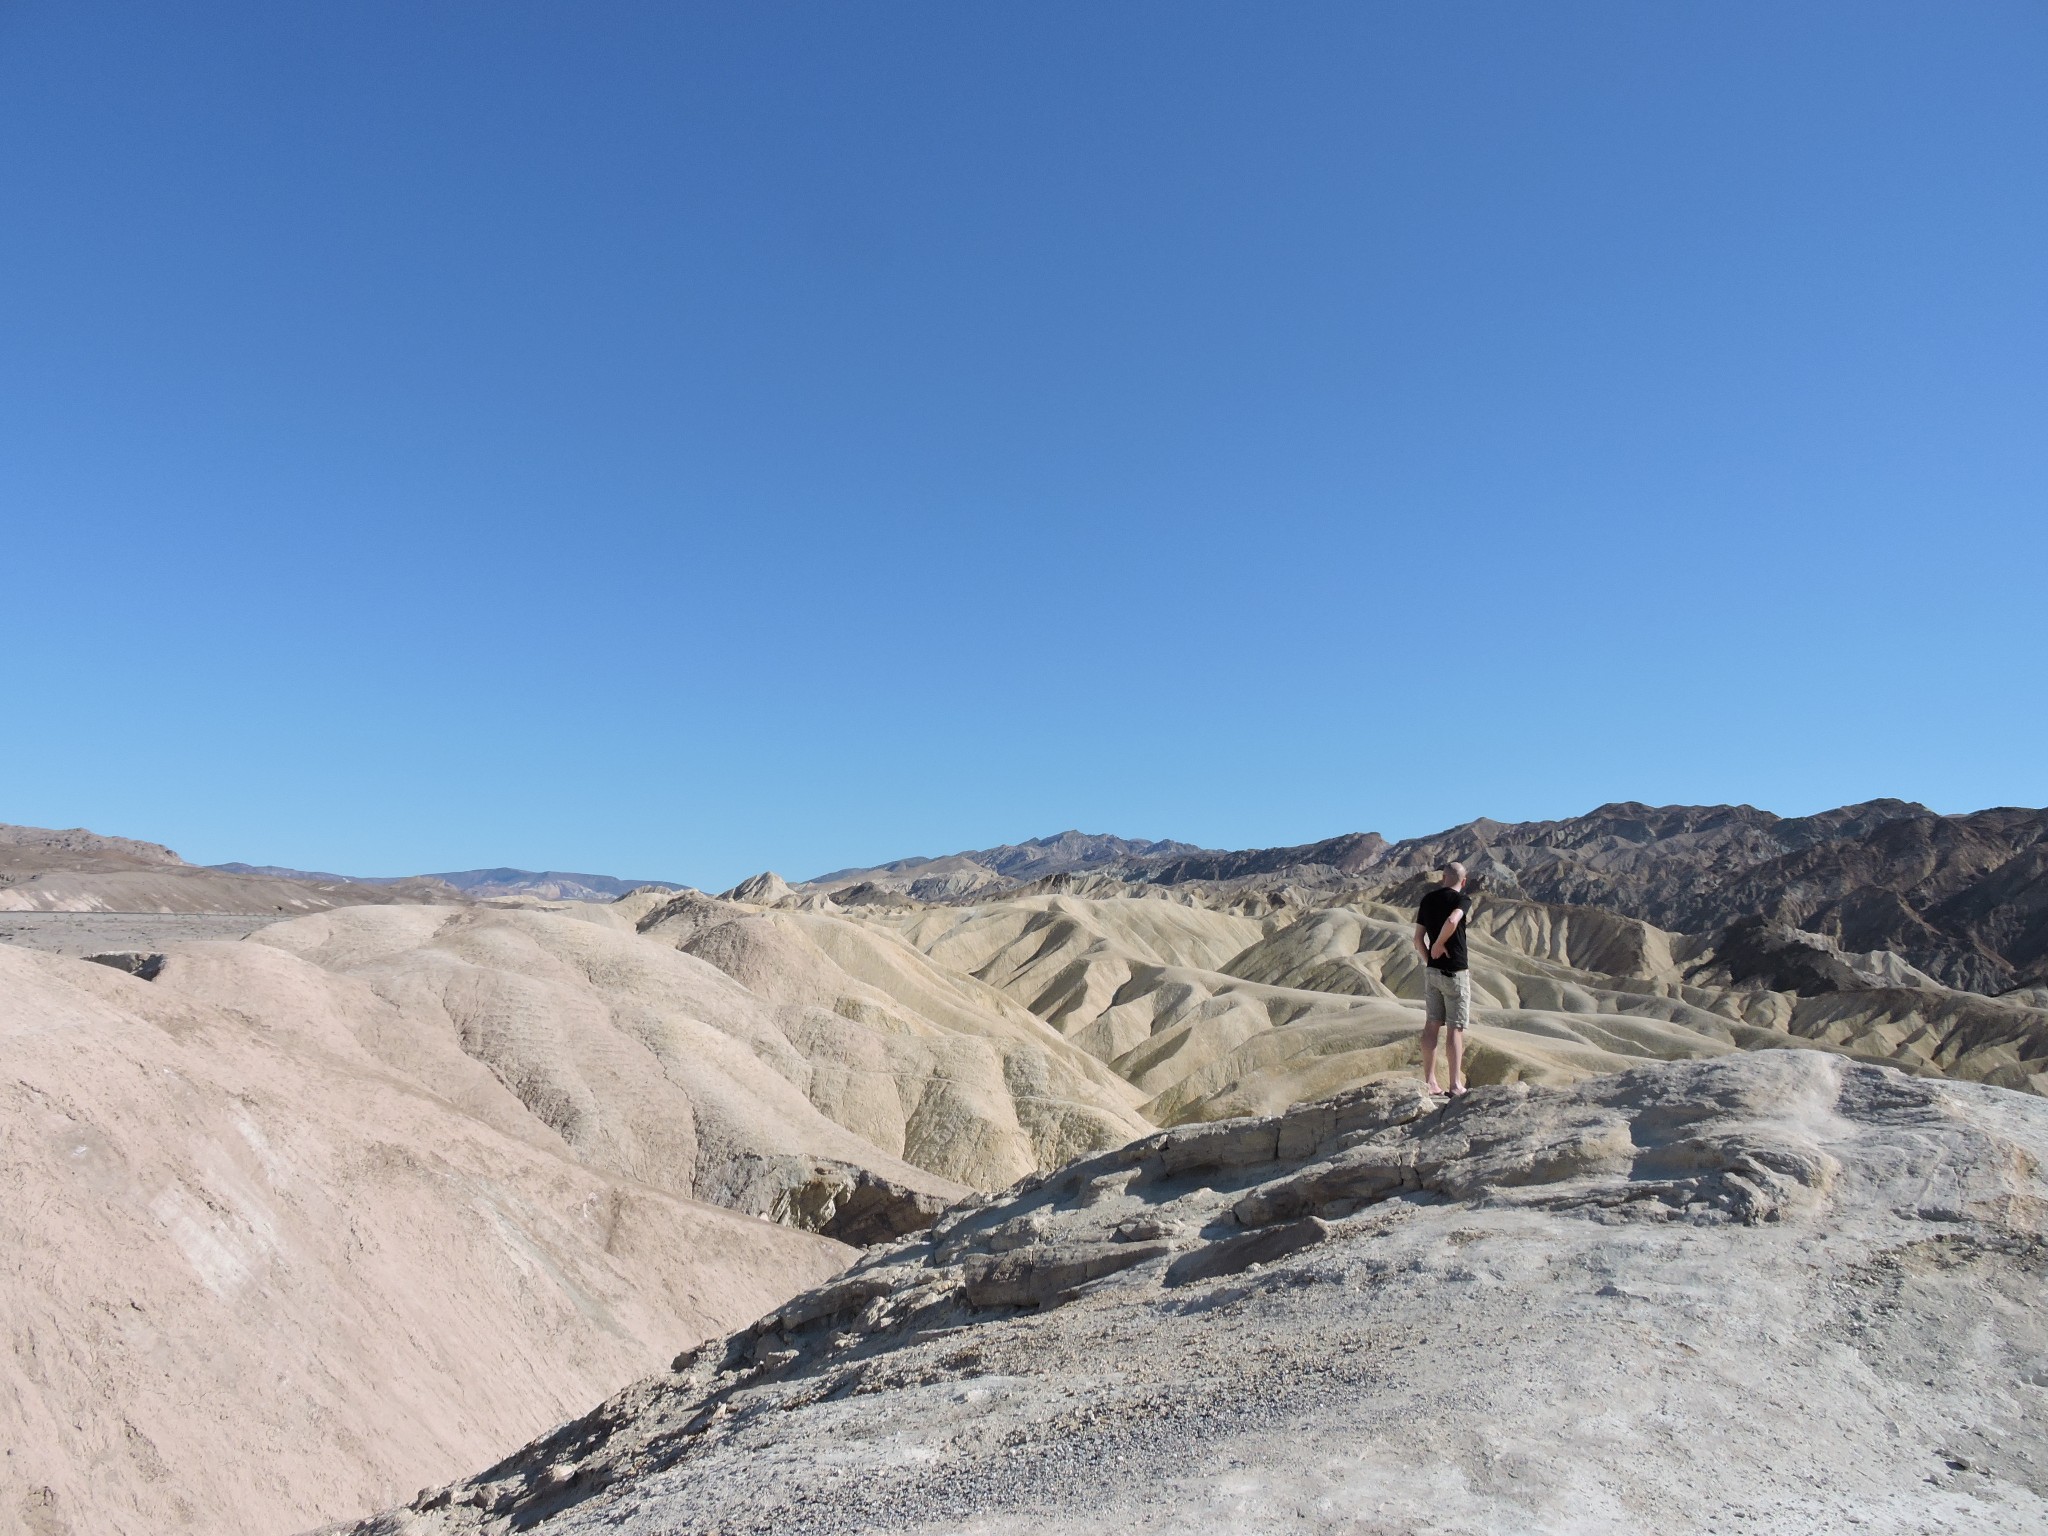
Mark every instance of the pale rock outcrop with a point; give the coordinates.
(762, 890)
(1781, 1291)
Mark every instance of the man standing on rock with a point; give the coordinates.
(1446, 980)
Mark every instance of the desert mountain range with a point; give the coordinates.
(548, 884)
(42, 870)
(310, 1219)
(78, 871)
(1963, 898)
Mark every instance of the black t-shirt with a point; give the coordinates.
(1435, 911)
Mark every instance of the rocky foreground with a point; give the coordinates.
(1780, 1292)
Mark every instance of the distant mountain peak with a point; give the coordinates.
(547, 884)
(1057, 853)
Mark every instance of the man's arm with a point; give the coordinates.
(1421, 942)
(1444, 937)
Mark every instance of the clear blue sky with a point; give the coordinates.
(681, 439)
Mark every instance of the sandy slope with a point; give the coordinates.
(915, 1056)
(253, 1277)
(313, 1218)
(637, 1059)
(1775, 1292)
(721, 1051)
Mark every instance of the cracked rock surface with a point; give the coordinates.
(1782, 1292)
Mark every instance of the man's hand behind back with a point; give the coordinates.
(1436, 950)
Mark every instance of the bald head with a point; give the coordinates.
(1454, 876)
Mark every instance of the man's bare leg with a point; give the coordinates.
(1429, 1056)
(1454, 1048)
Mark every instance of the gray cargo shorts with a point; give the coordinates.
(1447, 998)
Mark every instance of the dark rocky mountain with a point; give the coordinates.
(1012, 864)
(1962, 898)
(1070, 851)
(1351, 854)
